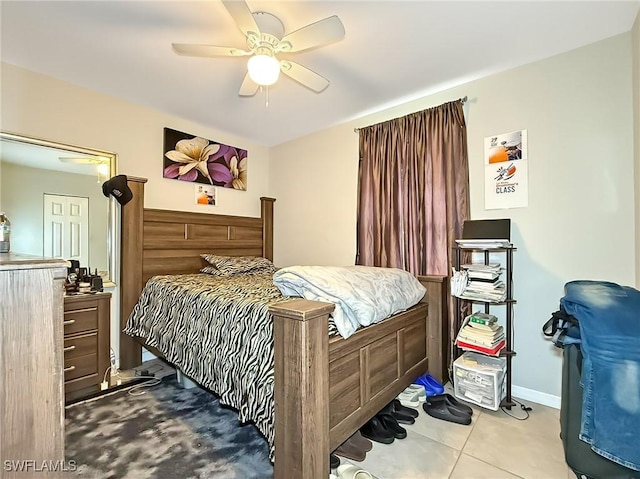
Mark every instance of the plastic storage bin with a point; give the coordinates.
(479, 379)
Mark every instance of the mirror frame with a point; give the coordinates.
(112, 209)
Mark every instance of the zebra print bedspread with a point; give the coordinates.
(219, 332)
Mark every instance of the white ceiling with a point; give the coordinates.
(393, 52)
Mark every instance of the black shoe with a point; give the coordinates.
(375, 430)
(399, 408)
(401, 417)
(334, 461)
(440, 410)
(390, 423)
(452, 403)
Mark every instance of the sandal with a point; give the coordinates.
(349, 471)
(418, 388)
(409, 398)
(452, 403)
(440, 410)
(375, 430)
(431, 384)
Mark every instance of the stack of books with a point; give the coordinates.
(480, 332)
(484, 283)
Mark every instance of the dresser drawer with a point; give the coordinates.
(80, 320)
(80, 366)
(77, 346)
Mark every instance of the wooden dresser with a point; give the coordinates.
(31, 377)
(86, 343)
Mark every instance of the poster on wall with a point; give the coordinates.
(506, 182)
(205, 195)
(192, 158)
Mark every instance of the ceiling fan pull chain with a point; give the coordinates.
(266, 102)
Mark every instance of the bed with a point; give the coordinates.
(325, 387)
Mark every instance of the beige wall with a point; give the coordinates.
(635, 39)
(22, 194)
(38, 106)
(580, 219)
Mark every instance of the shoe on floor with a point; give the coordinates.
(400, 409)
(440, 410)
(351, 451)
(409, 398)
(418, 388)
(375, 430)
(349, 471)
(431, 384)
(334, 461)
(391, 425)
(452, 402)
(399, 415)
(362, 442)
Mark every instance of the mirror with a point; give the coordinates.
(52, 195)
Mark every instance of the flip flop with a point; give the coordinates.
(349, 471)
(452, 402)
(431, 384)
(440, 410)
(375, 430)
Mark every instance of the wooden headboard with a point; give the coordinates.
(170, 242)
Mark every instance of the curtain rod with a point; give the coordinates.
(462, 100)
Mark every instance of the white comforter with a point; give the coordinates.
(363, 295)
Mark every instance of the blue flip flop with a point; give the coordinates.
(431, 385)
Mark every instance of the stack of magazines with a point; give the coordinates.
(480, 332)
(484, 283)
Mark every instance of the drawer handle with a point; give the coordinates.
(69, 369)
(68, 322)
(69, 348)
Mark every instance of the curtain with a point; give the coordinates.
(413, 193)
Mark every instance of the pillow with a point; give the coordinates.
(230, 265)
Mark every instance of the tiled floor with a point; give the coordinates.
(494, 446)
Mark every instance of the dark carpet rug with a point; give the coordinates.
(167, 433)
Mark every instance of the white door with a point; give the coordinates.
(66, 228)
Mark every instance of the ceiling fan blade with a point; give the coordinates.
(304, 76)
(207, 50)
(248, 87)
(319, 33)
(241, 14)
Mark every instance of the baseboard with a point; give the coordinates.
(536, 396)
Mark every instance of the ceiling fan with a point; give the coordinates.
(266, 39)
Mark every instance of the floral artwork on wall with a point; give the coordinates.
(195, 159)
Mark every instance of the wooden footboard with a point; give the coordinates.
(327, 388)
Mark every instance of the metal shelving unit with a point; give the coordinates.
(508, 351)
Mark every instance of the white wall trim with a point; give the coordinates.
(536, 396)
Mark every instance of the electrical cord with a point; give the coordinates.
(138, 389)
(526, 410)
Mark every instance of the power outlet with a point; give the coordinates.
(104, 385)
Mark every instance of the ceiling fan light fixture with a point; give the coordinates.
(263, 69)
